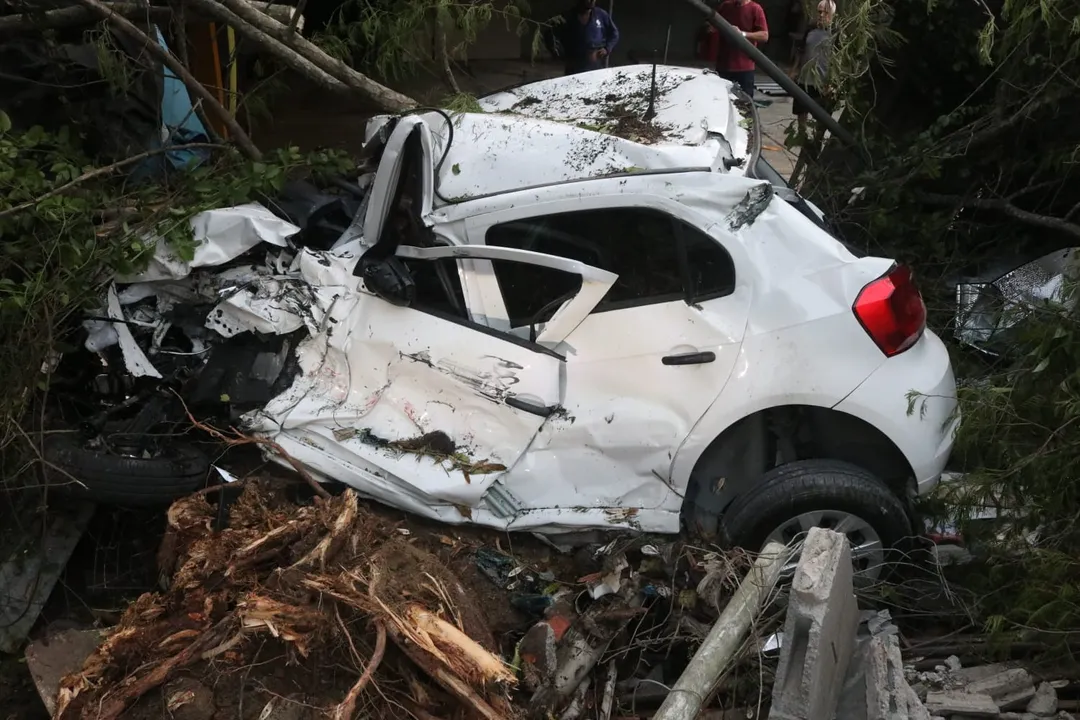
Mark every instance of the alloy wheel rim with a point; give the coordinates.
(867, 550)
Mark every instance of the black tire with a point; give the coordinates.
(177, 470)
(808, 485)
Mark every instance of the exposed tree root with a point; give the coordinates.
(345, 710)
(299, 576)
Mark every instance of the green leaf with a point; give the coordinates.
(5, 122)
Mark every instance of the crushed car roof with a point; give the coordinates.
(593, 125)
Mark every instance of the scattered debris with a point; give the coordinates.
(701, 676)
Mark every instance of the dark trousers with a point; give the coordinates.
(583, 64)
(742, 78)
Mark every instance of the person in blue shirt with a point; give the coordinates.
(585, 37)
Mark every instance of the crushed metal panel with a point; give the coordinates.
(748, 209)
(987, 308)
(627, 411)
(222, 234)
(417, 399)
(384, 186)
(494, 153)
(135, 359)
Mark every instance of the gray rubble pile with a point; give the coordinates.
(837, 662)
(1003, 691)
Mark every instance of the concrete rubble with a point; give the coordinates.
(836, 662)
(822, 617)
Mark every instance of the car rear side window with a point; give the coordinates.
(653, 253)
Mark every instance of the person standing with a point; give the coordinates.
(586, 36)
(732, 63)
(811, 70)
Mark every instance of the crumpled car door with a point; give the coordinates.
(425, 412)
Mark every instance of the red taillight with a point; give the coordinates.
(891, 310)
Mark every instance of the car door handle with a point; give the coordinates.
(542, 410)
(698, 358)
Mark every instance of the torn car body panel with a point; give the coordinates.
(430, 411)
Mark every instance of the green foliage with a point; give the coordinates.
(66, 232)
(969, 114)
(462, 103)
(393, 39)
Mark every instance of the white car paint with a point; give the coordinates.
(592, 428)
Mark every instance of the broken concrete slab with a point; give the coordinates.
(1017, 700)
(32, 564)
(1045, 702)
(819, 633)
(888, 695)
(51, 658)
(953, 702)
(1003, 684)
(966, 676)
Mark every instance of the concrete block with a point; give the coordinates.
(819, 633)
(951, 702)
(1002, 684)
(1045, 702)
(965, 676)
(888, 695)
(51, 658)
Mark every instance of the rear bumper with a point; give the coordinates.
(912, 399)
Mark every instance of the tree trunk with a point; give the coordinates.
(279, 50)
(75, 16)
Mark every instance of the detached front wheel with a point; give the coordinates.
(831, 494)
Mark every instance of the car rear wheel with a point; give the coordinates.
(831, 494)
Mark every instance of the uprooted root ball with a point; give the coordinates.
(328, 581)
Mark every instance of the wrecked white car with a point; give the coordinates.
(578, 309)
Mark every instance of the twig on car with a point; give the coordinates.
(239, 438)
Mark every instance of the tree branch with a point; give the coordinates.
(442, 53)
(1003, 205)
(104, 170)
(379, 94)
(982, 137)
(75, 16)
(195, 87)
(282, 52)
